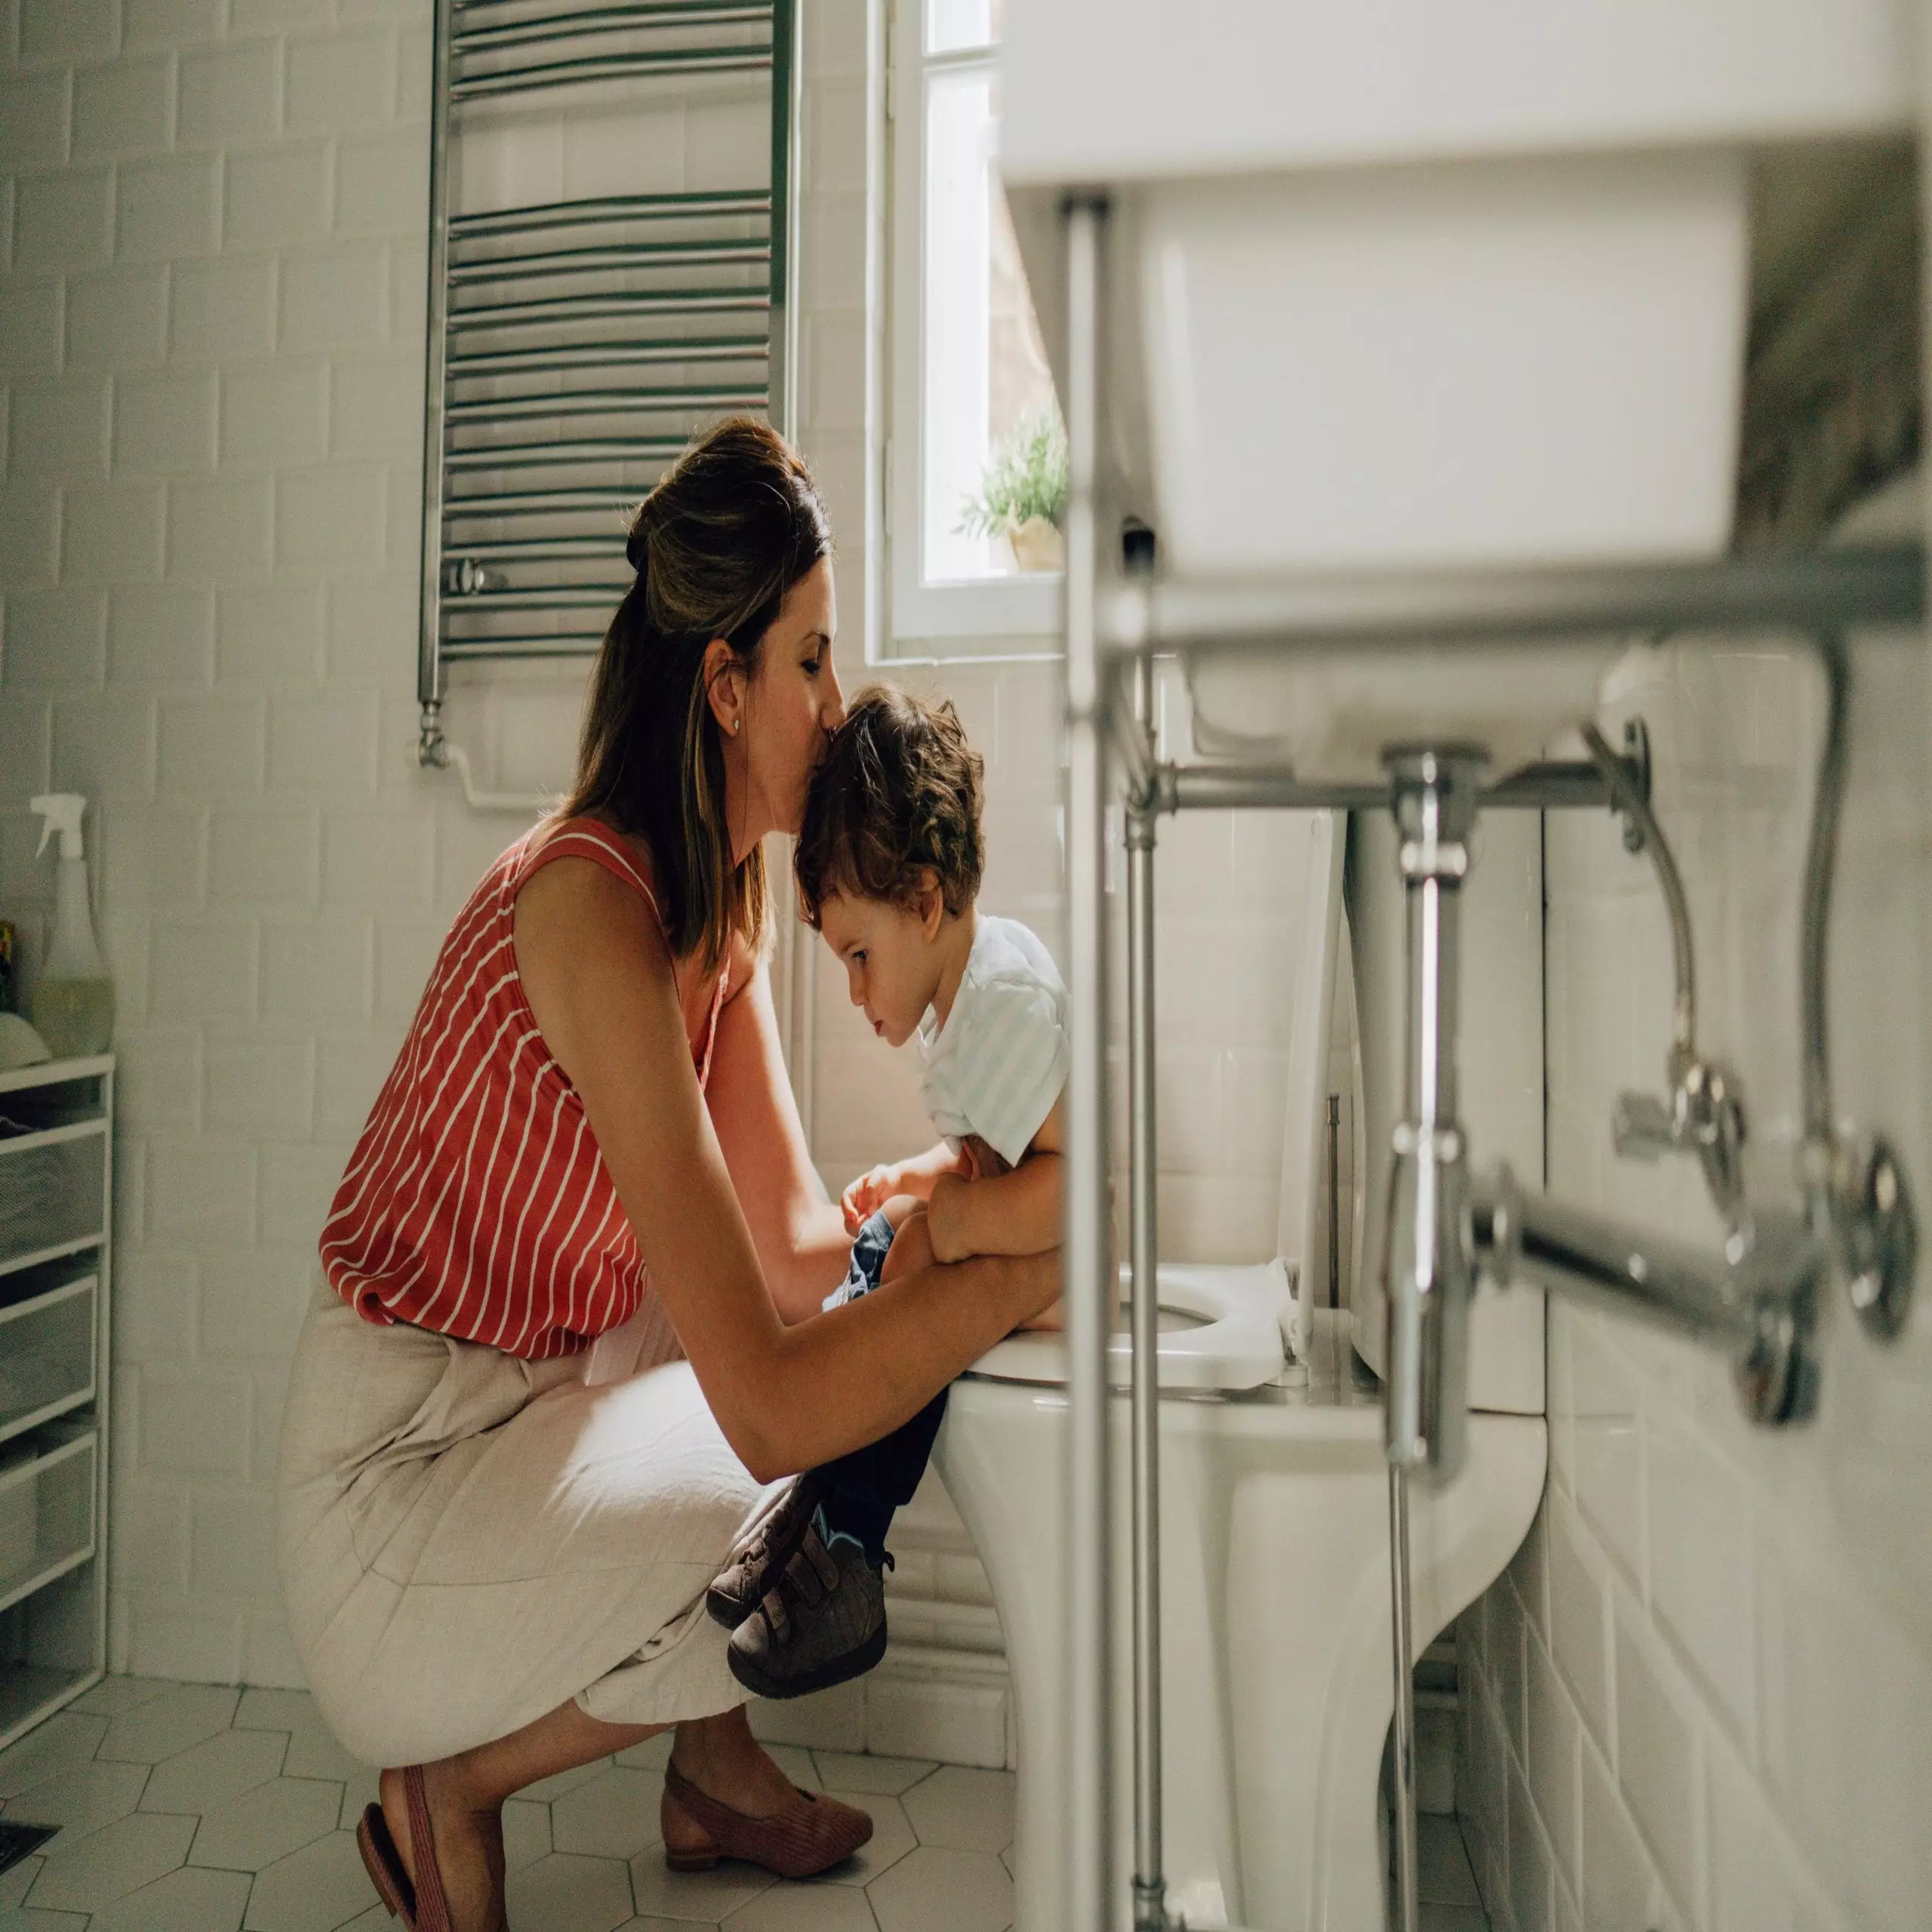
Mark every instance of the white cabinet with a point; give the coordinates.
(56, 1190)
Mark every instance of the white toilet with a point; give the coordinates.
(1274, 1522)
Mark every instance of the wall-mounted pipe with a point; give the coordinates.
(1756, 1303)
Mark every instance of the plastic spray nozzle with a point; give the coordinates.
(62, 811)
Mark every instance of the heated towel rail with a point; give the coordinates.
(574, 346)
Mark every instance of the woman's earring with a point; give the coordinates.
(735, 723)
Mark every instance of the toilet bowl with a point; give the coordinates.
(1275, 1618)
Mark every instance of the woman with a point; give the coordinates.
(568, 1320)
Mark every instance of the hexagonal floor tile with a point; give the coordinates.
(207, 1775)
(704, 1897)
(184, 1901)
(113, 1695)
(66, 1740)
(81, 1800)
(564, 1893)
(933, 1889)
(963, 1810)
(808, 1908)
(314, 1889)
(545, 1789)
(613, 1816)
(18, 1880)
(109, 1864)
(795, 1761)
(184, 1715)
(526, 1833)
(275, 1710)
(856, 1770)
(892, 1838)
(267, 1823)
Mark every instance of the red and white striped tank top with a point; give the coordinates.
(476, 1203)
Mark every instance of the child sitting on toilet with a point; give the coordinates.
(888, 865)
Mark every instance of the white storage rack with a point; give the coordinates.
(56, 1190)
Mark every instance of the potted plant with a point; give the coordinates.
(1023, 492)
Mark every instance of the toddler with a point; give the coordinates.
(888, 866)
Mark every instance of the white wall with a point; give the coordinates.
(1700, 1697)
(212, 224)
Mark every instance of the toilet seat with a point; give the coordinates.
(1221, 1333)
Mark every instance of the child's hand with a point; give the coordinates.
(866, 1196)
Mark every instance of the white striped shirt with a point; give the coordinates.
(997, 1065)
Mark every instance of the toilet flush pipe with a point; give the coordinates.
(1150, 1913)
(1091, 1287)
(1425, 1263)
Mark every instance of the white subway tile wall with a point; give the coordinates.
(212, 250)
(1700, 1698)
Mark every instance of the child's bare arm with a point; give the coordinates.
(1014, 1213)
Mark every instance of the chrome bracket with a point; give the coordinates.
(1863, 1207)
(432, 751)
(1704, 1115)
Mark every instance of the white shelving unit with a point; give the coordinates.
(56, 1205)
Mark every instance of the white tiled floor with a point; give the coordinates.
(189, 1807)
(186, 1807)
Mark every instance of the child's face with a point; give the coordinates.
(892, 964)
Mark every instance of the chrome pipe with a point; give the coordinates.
(1090, 1285)
(583, 643)
(542, 597)
(580, 25)
(1149, 1881)
(1821, 1124)
(1554, 785)
(601, 208)
(607, 255)
(549, 358)
(1755, 1302)
(477, 505)
(1821, 590)
(782, 343)
(560, 455)
(1427, 1269)
(603, 402)
(429, 554)
(1407, 1874)
(545, 74)
(542, 311)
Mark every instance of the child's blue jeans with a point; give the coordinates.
(861, 1490)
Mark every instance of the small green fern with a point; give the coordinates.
(1026, 477)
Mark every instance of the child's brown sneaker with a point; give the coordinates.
(822, 1622)
(761, 1552)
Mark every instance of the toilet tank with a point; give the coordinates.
(1500, 1062)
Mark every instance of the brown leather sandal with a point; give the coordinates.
(811, 1834)
(422, 1907)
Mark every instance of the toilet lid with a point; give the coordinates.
(1221, 1330)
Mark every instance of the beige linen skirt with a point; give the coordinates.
(467, 1540)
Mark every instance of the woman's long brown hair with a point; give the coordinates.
(734, 523)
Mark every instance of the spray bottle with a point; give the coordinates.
(73, 1002)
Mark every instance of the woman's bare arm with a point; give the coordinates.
(800, 1235)
(600, 982)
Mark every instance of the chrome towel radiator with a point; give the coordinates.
(574, 346)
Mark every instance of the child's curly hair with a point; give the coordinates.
(900, 790)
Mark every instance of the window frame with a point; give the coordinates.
(1007, 616)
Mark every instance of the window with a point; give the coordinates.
(971, 394)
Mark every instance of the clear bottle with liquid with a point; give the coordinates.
(73, 1000)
